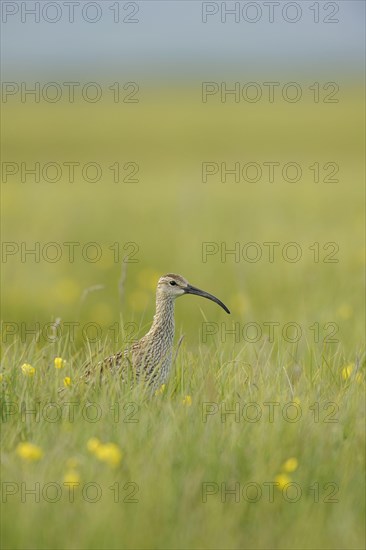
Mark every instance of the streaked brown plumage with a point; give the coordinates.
(150, 358)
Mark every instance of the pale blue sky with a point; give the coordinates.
(170, 39)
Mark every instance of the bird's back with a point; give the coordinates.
(147, 359)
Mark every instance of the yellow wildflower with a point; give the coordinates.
(67, 381)
(29, 451)
(290, 465)
(59, 363)
(359, 377)
(347, 371)
(93, 444)
(109, 453)
(1, 377)
(72, 476)
(28, 369)
(161, 390)
(187, 400)
(282, 480)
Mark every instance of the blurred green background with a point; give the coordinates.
(169, 212)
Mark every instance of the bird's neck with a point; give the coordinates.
(164, 317)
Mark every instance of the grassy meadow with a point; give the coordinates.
(110, 468)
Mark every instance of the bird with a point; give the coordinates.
(150, 358)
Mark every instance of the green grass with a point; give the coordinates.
(170, 452)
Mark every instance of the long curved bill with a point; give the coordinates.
(193, 290)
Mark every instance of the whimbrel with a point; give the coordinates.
(151, 356)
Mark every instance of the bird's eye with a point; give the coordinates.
(173, 283)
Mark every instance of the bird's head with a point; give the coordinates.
(175, 285)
